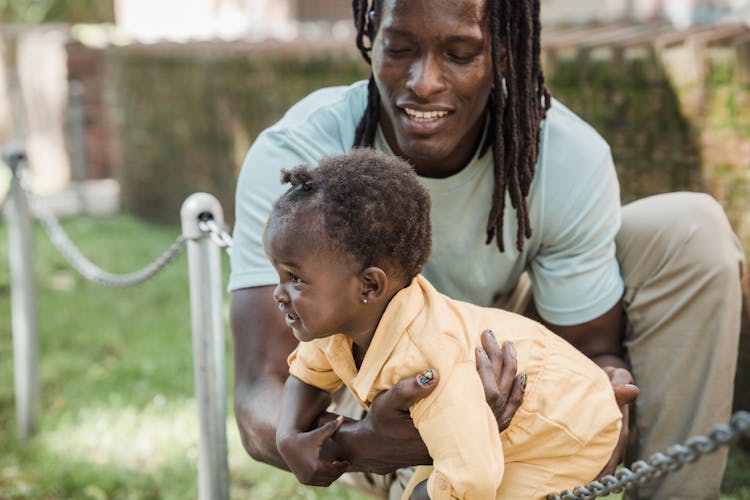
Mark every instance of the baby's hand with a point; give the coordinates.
(302, 453)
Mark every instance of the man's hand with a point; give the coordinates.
(503, 390)
(386, 439)
(302, 453)
(625, 393)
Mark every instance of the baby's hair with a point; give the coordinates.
(371, 206)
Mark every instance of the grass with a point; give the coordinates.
(118, 415)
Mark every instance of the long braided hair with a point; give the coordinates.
(518, 102)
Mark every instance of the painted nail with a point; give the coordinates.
(426, 377)
(511, 348)
(490, 334)
(523, 381)
(482, 351)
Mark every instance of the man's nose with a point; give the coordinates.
(426, 76)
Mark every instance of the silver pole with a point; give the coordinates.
(23, 297)
(206, 312)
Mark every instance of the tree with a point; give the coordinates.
(62, 11)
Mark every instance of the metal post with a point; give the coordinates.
(206, 312)
(23, 293)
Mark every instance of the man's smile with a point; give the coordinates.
(418, 115)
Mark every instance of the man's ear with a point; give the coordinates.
(374, 283)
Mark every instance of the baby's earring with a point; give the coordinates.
(364, 300)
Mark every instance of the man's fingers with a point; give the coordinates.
(508, 369)
(618, 376)
(513, 403)
(493, 350)
(486, 373)
(625, 394)
(497, 369)
(622, 384)
(408, 391)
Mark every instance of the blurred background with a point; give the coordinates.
(127, 107)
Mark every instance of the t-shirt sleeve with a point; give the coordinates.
(321, 124)
(575, 274)
(258, 187)
(309, 364)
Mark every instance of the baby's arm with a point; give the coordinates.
(298, 442)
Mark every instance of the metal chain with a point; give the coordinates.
(661, 464)
(217, 234)
(84, 266)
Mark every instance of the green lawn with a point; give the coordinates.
(118, 416)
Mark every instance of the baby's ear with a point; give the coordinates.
(374, 283)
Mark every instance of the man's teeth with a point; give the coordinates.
(424, 115)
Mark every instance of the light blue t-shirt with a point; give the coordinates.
(574, 209)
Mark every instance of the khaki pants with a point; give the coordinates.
(682, 265)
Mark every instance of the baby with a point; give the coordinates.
(348, 241)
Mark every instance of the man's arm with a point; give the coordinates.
(262, 342)
(600, 339)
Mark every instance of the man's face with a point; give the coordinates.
(319, 290)
(432, 63)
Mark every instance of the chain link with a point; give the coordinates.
(217, 234)
(661, 464)
(80, 263)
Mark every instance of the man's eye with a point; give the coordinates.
(461, 58)
(396, 51)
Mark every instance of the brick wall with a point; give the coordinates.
(86, 67)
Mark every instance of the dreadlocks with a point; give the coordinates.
(518, 102)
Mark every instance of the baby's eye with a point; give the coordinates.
(296, 280)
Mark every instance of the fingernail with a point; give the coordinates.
(511, 348)
(490, 334)
(523, 381)
(426, 377)
(482, 351)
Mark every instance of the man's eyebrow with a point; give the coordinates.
(398, 32)
(451, 39)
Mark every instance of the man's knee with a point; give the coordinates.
(711, 243)
(686, 228)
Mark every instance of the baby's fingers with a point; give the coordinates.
(324, 432)
(327, 472)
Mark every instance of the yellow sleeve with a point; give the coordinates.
(462, 437)
(309, 364)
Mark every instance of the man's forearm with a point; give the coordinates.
(257, 412)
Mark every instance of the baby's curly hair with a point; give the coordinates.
(371, 205)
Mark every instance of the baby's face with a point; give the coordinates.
(319, 290)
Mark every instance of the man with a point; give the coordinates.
(457, 90)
